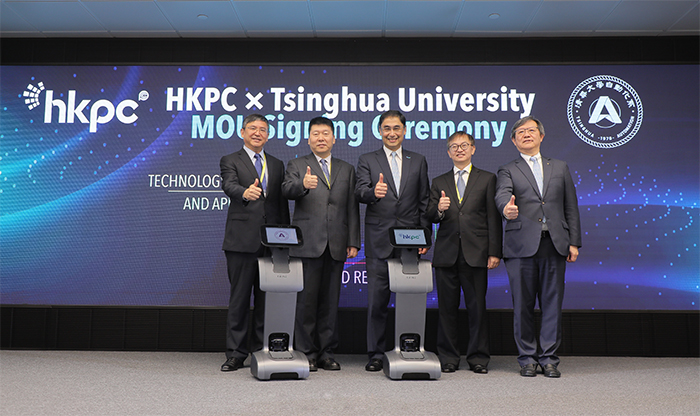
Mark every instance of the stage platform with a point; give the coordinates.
(176, 383)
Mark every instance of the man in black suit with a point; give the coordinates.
(326, 211)
(543, 232)
(468, 244)
(252, 179)
(393, 182)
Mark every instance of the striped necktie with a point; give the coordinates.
(259, 169)
(324, 167)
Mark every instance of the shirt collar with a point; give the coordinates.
(251, 153)
(388, 152)
(538, 157)
(456, 170)
(319, 158)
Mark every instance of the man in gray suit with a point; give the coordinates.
(393, 182)
(542, 233)
(468, 244)
(253, 180)
(325, 209)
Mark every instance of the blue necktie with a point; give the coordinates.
(259, 169)
(395, 171)
(324, 166)
(537, 171)
(461, 185)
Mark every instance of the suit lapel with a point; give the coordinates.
(245, 161)
(312, 162)
(448, 185)
(547, 170)
(386, 170)
(471, 179)
(405, 169)
(271, 173)
(527, 172)
(336, 167)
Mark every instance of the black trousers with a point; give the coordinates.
(450, 282)
(244, 277)
(378, 296)
(538, 277)
(315, 332)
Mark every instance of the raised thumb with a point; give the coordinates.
(381, 178)
(512, 200)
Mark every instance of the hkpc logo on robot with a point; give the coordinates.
(99, 112)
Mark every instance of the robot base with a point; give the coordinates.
(273, 365)
(415, 365)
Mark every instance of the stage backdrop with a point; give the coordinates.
(110, 189)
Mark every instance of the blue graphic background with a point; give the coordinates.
(81, 222)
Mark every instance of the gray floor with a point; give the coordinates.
(145, 383)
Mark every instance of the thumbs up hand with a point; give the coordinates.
(380, 188)
(253, 192)
(510, 211)
(444, 202)
(310, 181)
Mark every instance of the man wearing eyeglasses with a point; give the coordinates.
(252, 179)
(537, 198)
(393, 182)
(323, 190)
(468, 244)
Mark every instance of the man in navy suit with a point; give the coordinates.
(393, 182)
(252, 179)
(325, 208)
(469, 242)
(537, 198)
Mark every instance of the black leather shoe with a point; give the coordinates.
(449, 368)
(375, 364)
(529, 370)
(312, 364)
(480, 369)
(329, 364)
(232, 364)
(550, 370)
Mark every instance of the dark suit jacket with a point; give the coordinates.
(476, 221)
(327, 217)
(245, 217)
(559, 205)
(407, 210)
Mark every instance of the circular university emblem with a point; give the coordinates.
(605, 111)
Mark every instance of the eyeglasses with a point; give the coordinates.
(463, 146)
(396, 129)
(325, 133)
(254, 129)
(530, 131)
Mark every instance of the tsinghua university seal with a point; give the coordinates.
(605, 111)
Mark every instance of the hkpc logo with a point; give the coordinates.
(101, 111)
(605, 111)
